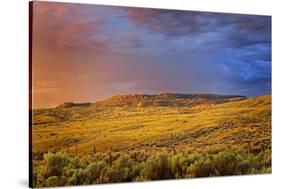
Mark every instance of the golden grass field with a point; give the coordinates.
(93, 132)
(80, 130)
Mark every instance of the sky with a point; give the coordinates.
(85, 53)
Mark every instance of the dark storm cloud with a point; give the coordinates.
(106, 50)
(235, 30)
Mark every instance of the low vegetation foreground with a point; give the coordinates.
(151, 137)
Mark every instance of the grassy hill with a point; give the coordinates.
(184, 124)
(125, 128)
(156, 100)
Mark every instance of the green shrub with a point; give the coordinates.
(56, 181)
(201, 168)
(243, 167)
(63, 181)
(180, 162)
(137, 167)
(77, 178)
(225, 162)
(264, 158)
(121, 170)
(157, 167)
(93, 171)
(54, 164)
(53, 181)
(75, 163)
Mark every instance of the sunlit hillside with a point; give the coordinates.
(100, 131)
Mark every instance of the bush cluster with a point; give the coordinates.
(58, 169)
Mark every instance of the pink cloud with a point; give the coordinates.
(60, 25)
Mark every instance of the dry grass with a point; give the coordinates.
(86, 130)
(216, 134)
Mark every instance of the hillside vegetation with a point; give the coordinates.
(162, 99)
(188, 136)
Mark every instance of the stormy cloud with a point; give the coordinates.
(90, 52)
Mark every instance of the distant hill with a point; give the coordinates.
(71, 105)
(157, 100)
